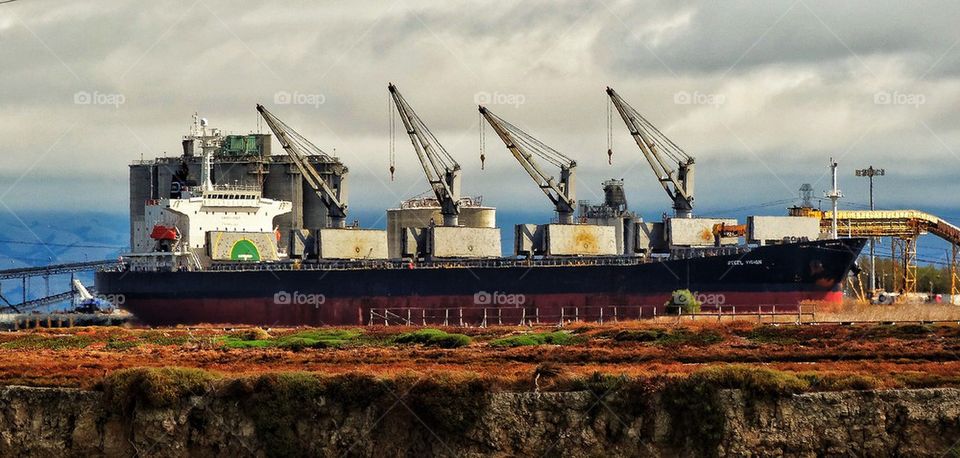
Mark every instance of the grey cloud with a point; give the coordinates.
(797, 97)
(739, 36)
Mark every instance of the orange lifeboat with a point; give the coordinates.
(161, 232)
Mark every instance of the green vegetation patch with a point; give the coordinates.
(47, 342)
(324, 338)
(676, 337)
(641, 335)
(539, 338)
(161, 338)
(433, 338)
(826, 381)
(782, 335)
(121, 344)
(155, 387)
(911, 331)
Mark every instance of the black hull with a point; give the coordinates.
(782, 275)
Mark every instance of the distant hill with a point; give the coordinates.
(38, 238)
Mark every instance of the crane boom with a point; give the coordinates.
(443, 172)
(299, 149)
(523, 147)
(659, 152)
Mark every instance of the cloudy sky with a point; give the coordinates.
(761, 93)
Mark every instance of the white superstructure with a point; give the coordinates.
(238, 220)
(219, 209)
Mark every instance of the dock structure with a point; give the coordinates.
(903, 227)
(25, 274)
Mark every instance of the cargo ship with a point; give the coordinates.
(230, 233)
(357, 293)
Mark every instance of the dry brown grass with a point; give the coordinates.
(898, 312)
(904, 355)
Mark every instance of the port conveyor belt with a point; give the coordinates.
(54, 269)
(903, 227)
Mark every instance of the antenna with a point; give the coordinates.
(834, 195)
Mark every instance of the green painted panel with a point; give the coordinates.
(244, 250)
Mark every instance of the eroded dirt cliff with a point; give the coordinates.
(69, 422)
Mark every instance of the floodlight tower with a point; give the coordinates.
(871, 172)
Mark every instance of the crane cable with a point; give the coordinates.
(665, 143)
(391, 120)
(483, 146)
(609, 131)
(527, 142)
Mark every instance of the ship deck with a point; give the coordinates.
(403, 264)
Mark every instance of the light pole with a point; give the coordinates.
(834, 195)
(871, 172)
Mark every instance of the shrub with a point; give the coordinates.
(155, 387)
(253, 334)
(433, 338)
(541, 338)
(683, 300)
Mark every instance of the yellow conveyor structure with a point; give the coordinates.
(903, 227)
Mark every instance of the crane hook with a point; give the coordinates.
(392, 169)
(483, 159)
(609, 156)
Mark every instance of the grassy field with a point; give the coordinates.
(510, 358)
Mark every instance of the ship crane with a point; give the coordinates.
(660, 151)
(524, 147)
(443, 172)
(300, 149)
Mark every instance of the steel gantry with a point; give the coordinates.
(903, 227)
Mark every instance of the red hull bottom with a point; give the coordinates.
(437, 310)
